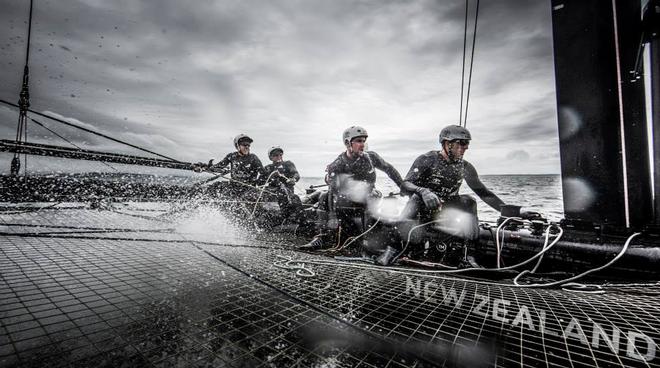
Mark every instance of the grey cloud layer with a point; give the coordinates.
(293, 73)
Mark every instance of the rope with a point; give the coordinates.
(409, 271)
(538, 263)
(569, 280)
(299, 266)
(237, 181)
(347, 242)
(408, 240)
(263, 187)
(498, 247)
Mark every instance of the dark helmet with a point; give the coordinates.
(353, 132)
(453, 132)
(274, 149)
(241, 138)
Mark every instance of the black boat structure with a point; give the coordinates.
(99, 270)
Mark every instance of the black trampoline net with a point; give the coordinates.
(140, 286)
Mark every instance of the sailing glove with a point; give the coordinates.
(531, 215)
(431, 200)
(199, 167)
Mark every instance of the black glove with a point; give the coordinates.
(531, 215)
(431, 201)
(375, 193)
(199, 167)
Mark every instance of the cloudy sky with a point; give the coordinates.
(182, 78)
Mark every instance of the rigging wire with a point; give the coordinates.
(68, 141)
(92, 132)
(462, 120)
(474, 40)
(460, 117)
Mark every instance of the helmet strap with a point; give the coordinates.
(349, 150)
(446, 148)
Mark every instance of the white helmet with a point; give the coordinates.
(241, 137)
(353, 132)
(272, 150)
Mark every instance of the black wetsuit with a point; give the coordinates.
(287, 199)
(286, 168)
(444, 178)
(351, 182)
(246, 172)
(246, 169)
(361, 169)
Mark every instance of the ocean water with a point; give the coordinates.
(541, 193)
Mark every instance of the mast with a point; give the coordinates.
(23, 103)
(602, 122)
(652, 30)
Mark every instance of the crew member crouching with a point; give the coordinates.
(281, 177)
(351, 178)
(434, 181)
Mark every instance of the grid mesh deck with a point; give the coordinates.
(159, 294)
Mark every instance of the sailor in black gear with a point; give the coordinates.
(351, 178)
(244, 167)
(435, 179)
(281, 177)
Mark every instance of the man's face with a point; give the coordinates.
(456, 148)
(357, 145)
(244, 148)
(276, 156)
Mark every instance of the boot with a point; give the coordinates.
(469, 262)
(315, 244)
(386, 257)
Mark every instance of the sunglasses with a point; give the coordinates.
(462, 142)
(244, 145)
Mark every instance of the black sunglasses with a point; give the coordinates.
(462, 142)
